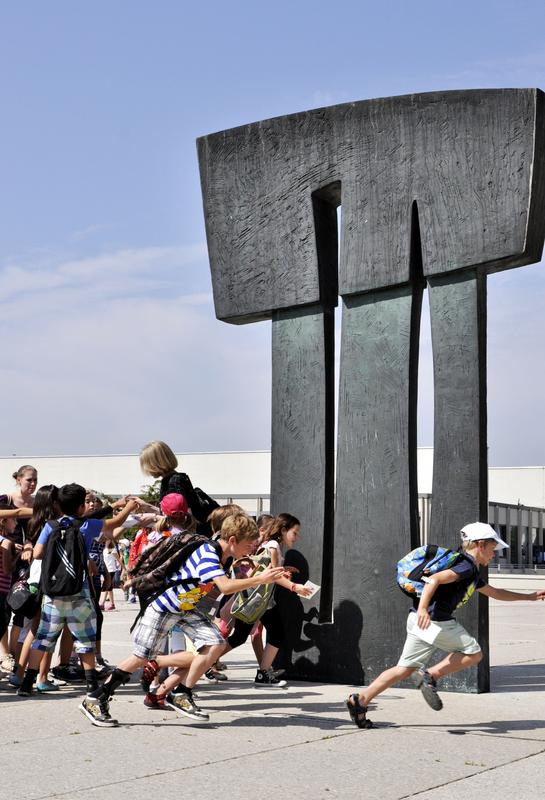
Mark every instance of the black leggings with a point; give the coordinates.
(272, 622)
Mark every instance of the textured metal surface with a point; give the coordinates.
(443, 187)
(460, 471)
(468, 158)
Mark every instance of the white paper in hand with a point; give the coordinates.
(428, 634)
(315, 588)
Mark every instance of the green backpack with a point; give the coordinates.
(250, 604)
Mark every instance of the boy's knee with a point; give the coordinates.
(477, 657)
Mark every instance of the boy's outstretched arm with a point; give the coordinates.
(422, 615)
(505, 594)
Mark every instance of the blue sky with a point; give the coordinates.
(109, 336)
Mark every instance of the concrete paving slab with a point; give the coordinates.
(267, 742)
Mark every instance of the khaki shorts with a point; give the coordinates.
(453, 639)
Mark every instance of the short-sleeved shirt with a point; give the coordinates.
(90, 530)
(448, 596)
(192, 581)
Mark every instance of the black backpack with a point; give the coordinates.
(64, 561)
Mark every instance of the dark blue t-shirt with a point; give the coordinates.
(449, 596)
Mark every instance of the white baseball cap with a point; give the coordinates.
(476, 531)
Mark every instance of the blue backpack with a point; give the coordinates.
(420, 563)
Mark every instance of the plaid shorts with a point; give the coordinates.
(77, 612)
(153, 627)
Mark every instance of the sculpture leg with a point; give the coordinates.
(459, 494)
(376, 512)
(302, 468)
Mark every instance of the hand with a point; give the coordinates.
(270, 575)
(540, 595)
(26, 555)
(17, 547)
(144, 520)
(423, 618)
(302, 591)
(121, 503)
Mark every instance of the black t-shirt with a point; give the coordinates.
(449, 596)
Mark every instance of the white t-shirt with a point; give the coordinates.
(110, 561)
(274, 545)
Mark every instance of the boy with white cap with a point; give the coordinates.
(431, 624)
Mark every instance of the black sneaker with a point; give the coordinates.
(428, 687)
(214, 676)
(98, 712)
(69, 673)
(183, 703)
(266, 677)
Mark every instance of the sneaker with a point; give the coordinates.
(98, 712)
(24, 691)
(47, 686)
(14, 680)
(154, 701)
(266, 677)
(221, 665)
(69, 673)
(56, 681)
(183, 703)
(132, 599)
(428, 687)
(213, 676)
(7, 663)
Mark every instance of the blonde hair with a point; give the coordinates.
(471, 545)
(157, 459)
(184, 521)
(240, 526)
(21, 471)
(218, 515)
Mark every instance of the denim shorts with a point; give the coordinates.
(453, 639)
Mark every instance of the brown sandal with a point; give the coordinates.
(358, 712)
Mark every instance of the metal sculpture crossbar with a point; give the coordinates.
(436, 189)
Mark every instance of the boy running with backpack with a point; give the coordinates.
(176, 605)
(63, 547)
(443, 592)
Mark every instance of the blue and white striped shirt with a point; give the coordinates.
(193, 581)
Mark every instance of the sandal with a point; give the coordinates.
(358, 712)
(150, 670)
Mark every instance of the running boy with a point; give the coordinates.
(177, 606)
(442, 594)
(76, 611)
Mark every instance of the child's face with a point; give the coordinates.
(486, 551)
(289, 537)
(9, 526)
(242, 548)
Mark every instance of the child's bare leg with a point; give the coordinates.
(257, 644)
(170, 683)
(269, 654)
(181, 659)
(386, 679)
(202, 662)
(45, 665)
(454, 662)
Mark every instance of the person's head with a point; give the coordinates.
(71, 499)
(177, 512)
(218, 515)
(45, 507)
(157, 460)
(7, 524)
(238, 534)
(480, 540)
(92, 501)
(283, 529)
(263, 522)
(26, 478)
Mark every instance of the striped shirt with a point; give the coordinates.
(193, 581)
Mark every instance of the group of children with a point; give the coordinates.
(187, 625)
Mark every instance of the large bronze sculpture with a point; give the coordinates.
(437, 190)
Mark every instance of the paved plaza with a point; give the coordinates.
(299, 742)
